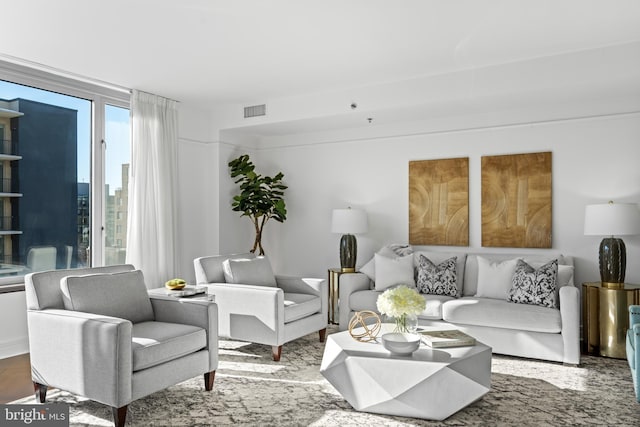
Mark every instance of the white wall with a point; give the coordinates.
(198, 193)
(13, 317)
(594, 160)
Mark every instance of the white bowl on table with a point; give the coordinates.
(401, 343)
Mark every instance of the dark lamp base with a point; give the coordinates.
(613, 260)
(348, 253)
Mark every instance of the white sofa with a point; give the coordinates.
(510, 328)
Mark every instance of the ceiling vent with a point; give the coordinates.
(255, 111)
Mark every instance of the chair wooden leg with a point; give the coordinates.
(41, 391)
(323, 334)
(119, 415)
(208, 380)
(276, 350)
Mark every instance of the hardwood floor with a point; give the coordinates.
(15, 378)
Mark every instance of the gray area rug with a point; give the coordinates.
(250, 389)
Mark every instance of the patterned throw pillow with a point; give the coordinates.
(535, 286)
(437, 279)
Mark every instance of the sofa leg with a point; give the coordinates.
(208, 380)
(323, 334)
(41, 391)
(119, 415)
(276, 350)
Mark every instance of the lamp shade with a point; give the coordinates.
(349, 221)
(611, 219)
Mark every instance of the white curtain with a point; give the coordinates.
(151, 227)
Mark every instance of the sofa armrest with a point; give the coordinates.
(195, 312)
(570, 318)
(634, 315)
(84, 353)
(258, 311)
(348, 284)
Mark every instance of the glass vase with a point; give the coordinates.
(406, 323)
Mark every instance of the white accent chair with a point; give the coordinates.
(96, 332)
(68, 253)
(42, 258)
(257, 306)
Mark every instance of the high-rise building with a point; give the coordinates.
(84, 215)
(116, 221)
(42, 179)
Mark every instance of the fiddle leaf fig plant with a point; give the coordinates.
(261, 198)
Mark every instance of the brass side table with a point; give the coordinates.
(334, 294)
(605, 317)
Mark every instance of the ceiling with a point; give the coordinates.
(216, 52)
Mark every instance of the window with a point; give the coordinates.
(56, 180)
(117, 157)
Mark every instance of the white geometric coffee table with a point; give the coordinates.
(431, 384)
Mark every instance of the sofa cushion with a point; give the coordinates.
(298, 306)
(495, 313)
(535, 286)
(154, 343)
(495, 278)
(433, 309)
(369, 269)
(363, 300)
(439, 257)
(123, 295)
(366, 300)
(249, 271)
(397, 270)
(437, 279)
(564, 278)
(471, 266)
(390, 251)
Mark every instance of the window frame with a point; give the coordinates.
(100, 94)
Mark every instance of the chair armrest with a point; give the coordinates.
(306, 285)
(570, 318)
(195, 312)
(348, 284)
(302, 285)
(84, 353)
(634, 315)
(243, 302)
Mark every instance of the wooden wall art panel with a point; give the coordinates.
(516, 200)
(439, 202)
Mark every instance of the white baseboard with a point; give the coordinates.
(14, 347)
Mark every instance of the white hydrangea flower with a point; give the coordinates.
(400, 301)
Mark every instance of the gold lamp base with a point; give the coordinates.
(606, 317)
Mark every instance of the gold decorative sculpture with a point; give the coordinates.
(370, 329)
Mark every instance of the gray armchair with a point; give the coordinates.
(96, 333)
(257, 306)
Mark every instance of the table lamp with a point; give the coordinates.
(612, 219)
(349, 222)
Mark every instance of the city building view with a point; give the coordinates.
(46, 210)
